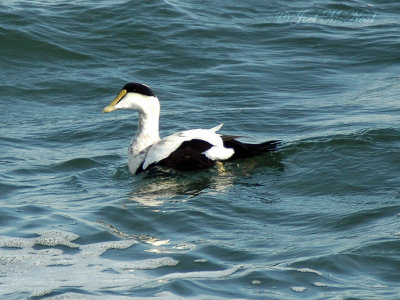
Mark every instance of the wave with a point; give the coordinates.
(345, 164)
(364, 140)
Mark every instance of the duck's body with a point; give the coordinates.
(186, 150)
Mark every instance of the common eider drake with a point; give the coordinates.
(187, 150)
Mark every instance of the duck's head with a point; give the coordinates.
(134, 96)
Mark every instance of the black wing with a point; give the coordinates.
(188, 157)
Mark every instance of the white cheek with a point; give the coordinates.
(127, 103)
(121, 105)
(118, 105)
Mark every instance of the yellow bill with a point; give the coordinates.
(111, 106)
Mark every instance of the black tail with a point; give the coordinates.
(243, 150)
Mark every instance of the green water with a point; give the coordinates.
(317, 220)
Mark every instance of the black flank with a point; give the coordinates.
(188, 157)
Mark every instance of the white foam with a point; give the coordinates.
(186, 246)
(379, 286)
(160, 243)
(307, 270)
(151, 263)
(202, 274)
(56, 237)
(26, 269)
(298, 289)
(40, 271)
(159, 251)
(50, 238)
(175, 249)
(94, 250)
(320, 284)
(302, 270)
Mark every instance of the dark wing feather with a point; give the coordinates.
(189, 156)
(243, 150)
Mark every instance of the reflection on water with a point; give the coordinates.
(154, 190)
(160, 185)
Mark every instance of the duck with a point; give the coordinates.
(189, 150)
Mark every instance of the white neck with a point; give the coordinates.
(147, 131)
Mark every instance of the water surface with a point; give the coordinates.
(317, 220)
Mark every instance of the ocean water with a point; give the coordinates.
(319, 219)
